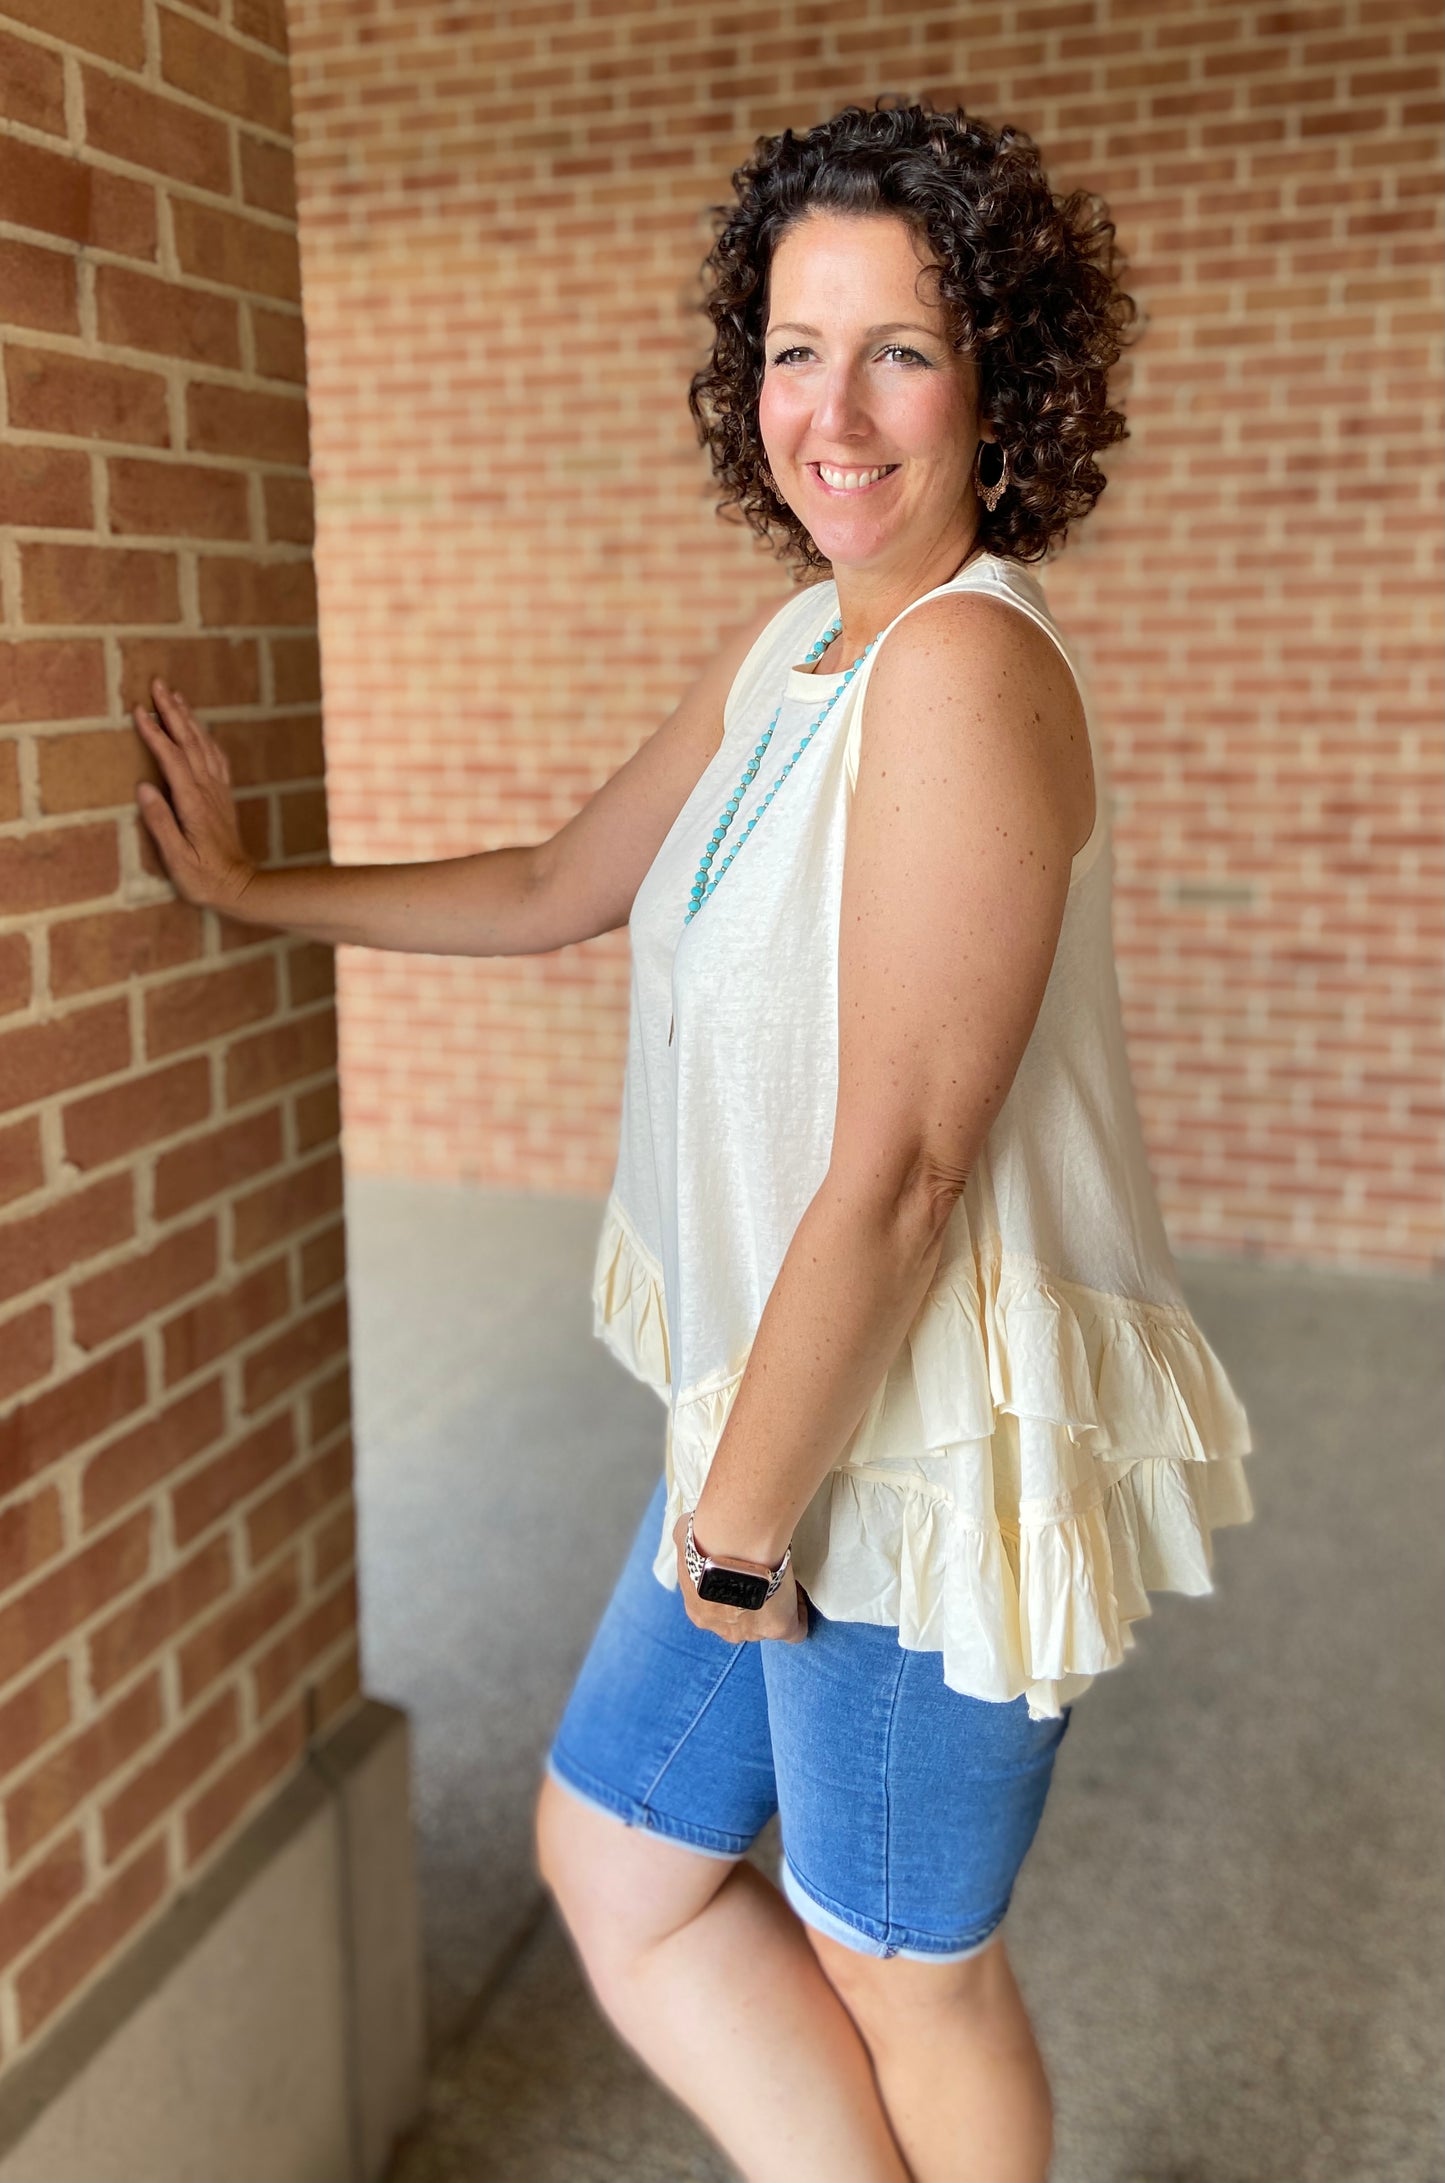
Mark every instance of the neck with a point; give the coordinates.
(869, 599)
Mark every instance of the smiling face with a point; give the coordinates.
(867, 413)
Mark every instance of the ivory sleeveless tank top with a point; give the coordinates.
(1055, 1437)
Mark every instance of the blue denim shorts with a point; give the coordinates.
(906, 1808)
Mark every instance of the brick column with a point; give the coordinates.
(177, 1600)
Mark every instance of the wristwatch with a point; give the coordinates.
(746, 1584)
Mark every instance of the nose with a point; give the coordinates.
(839, 412)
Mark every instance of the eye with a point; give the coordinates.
(896, 348)
(784, 354)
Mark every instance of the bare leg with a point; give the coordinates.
(962, 2078)
(707, 1974)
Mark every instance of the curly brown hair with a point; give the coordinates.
(1030, 281)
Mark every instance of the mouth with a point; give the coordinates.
(845, 484)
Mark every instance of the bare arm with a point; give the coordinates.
(526, 900)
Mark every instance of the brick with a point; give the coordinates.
(285, 1664)
(17, 979)
(280, 345)
(135, 1461)
(216, 1325)
(92, 771)
(236, 251)
(39, 287)
(243, 1623)
(48, 1795)
(310, 972)
(282, 747)
(263, 20)
(180, 499)
(94, 1933)
(11, 802)
(213, 68)
(193, 1011)
(213, 671)
(39, 1059)
(290, 510)
(318, 1116)
(149, 130)
(333, 1549)
(112, 28)
(51, 679)
(111, 1302)
(136, 311)
(70, 1595)
(37, 1433)
(22, 1166)
(113, 946)
(237, 1787)
(299, 1350)
(56, 865)
(284, 1514)
(328, 1406)
(129, 1637)
(296, 1199)
(32, 85)
(304, 824)
(323, 1262)
(268, 176)
(38, 1712)
(27, 1348)
(98, 584)
(175, 1768)
(282, 1055)
(31, 1534)
(296, 670)
(215, 1162)
(235, 421)
(85, 397)
(46, 487)
(111, 1124)
(54, 193)
(31, 1904)
(239, 593)
(202, 1499)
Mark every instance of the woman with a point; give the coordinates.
(883, 1235)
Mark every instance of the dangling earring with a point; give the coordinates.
(992, 491)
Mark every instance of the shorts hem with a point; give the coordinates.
(869, 1941)
(706, 1841)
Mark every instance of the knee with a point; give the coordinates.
(894, 2000)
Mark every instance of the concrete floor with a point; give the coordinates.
(1229, 1927)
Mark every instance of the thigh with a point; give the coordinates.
(907, 1808)
(667, 1725)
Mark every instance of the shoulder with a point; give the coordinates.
(967, 672)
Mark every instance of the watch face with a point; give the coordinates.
(733, 1588)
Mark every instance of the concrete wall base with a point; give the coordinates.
(269, 2027)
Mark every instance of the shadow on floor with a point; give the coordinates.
(1228, 1929)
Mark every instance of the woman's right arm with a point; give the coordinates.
(512, 901)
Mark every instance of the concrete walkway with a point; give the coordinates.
(1229, 1927)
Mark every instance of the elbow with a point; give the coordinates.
(912, 1199)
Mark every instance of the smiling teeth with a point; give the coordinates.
(849, 481)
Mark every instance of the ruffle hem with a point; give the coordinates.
(1037, 1460)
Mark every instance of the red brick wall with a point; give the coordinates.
(502, 215)
(176, 1566)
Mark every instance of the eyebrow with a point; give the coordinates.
(871, 333)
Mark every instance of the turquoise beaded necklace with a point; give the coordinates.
(706, 882)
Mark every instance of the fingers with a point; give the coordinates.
(199, 744)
